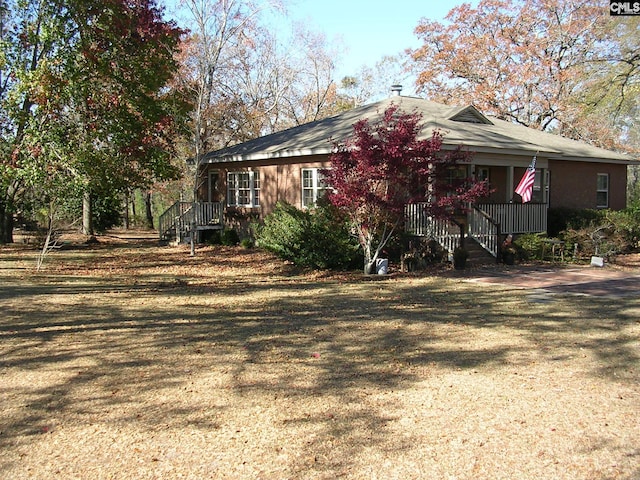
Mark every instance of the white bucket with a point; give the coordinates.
(382, 266)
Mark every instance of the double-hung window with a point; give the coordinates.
(536, 191)
(314, 186)
(482, 174)
(243, 189)
(602, 191)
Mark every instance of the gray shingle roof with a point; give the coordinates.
(459, 125)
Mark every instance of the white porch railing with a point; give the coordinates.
(449, 234)
(518, 217)
(484, 230)
(486, 223)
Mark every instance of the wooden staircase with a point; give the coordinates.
(176, 222)
(480, 236)
(478, 255)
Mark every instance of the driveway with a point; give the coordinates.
(594, 281)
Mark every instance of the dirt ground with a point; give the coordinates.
(126, 360)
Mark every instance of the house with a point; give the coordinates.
(244, 182)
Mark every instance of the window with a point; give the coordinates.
(453, 178)
(455, 175)
(482, 174)
(243, 189)
(314, 186)
(536, 191)
(602, 191)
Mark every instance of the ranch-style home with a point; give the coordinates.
(243, 183)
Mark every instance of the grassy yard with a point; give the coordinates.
(133, 361)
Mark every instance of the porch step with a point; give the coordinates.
(477, 255)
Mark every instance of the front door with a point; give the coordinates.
(214, 187)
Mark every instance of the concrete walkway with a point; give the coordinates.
(594, 281)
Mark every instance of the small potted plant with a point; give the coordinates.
(508, 251)
(460, 256)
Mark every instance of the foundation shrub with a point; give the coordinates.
(317, 238)
(530, 246)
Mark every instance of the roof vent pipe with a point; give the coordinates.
(395, 90)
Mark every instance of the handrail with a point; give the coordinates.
(167, 219)
(178, 218)
(485, 230)
(447, 232)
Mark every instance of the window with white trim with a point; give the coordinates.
(314, 186)
(536, 191)
(243, 189)
(602, 191)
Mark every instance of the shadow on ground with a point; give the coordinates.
(115, 346)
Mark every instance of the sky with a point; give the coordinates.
(369, 29)
(366, 30)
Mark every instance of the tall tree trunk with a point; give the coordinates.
(6, 213)
(6, 224)
(126, 212)
(87, 223)
(147, 203)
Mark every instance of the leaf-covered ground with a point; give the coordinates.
(126, 360)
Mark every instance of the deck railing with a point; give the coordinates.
(486, 224)
(208, 214)
(518, 217)
(176, 221)
(448, 233)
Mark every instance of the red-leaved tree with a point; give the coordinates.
(384, 167)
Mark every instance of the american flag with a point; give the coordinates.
(525, 187)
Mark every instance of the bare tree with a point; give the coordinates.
(218, 28)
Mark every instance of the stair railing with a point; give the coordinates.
(447, 232)
(485, 230)
(175, 220)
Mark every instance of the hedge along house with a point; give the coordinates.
(243, 183)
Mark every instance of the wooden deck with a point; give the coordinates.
(177, 221)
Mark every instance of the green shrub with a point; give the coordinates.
(604, 233)
(316, 238)
(229, 237)
(626, 225)
(595, 232)
(560, 219)
(417, 253)
(586, 242)
(530, 246)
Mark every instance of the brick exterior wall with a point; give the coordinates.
(280, 181)
(574, 184)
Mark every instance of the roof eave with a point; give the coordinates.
(571, 158)
(303, 152)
